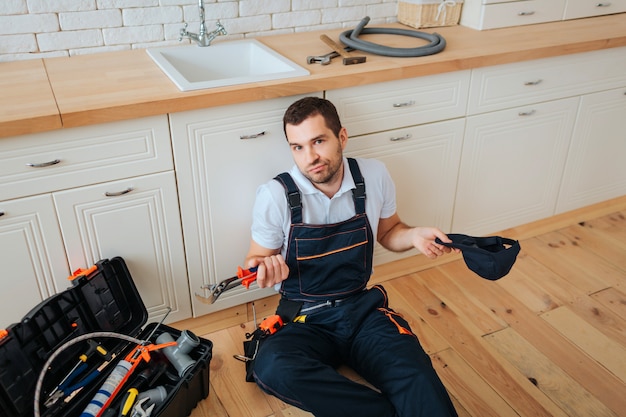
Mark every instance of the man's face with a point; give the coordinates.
(317, 151)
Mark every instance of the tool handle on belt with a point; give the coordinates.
(271, 324)
(247, 276)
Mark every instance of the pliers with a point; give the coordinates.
(244, 277)
(66, 387)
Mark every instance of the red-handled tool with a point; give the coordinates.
(244, 277)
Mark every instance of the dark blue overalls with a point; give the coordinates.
(343, 323)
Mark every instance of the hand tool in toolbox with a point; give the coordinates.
(128, 401)
(347, 58)
(47, 354)
(121, 373)
(65, 387)
(140, 411)
(244, 277)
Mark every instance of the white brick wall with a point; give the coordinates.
(46, 28)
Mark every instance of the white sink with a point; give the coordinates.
(223, 64)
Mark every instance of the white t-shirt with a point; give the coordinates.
(272, 217)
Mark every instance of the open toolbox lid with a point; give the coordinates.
(103, 298)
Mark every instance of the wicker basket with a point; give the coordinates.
(429, 13)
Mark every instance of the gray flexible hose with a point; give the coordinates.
(351, 38)
(42, 374)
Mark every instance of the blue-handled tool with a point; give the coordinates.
(66, 387)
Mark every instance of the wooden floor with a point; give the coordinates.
(549, 339)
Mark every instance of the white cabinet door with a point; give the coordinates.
(32, 260)
(511, 166)
(222, 155)
(596, 170)
(138, 219)
(423, 162)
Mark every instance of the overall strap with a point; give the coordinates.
(358, 193)
(293, 196)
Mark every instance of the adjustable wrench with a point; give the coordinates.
(244, 277)
(322, 59)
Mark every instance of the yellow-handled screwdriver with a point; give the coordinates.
(128, 401)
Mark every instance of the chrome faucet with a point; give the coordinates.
(202, 38)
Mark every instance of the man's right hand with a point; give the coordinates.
(271, 270)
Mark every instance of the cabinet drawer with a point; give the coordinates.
(43, 162)
(510, 85)
(395, 104)
(521, 13)
(575, 9)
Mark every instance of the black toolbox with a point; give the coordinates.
(102, 299)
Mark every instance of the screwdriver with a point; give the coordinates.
(128, 401)
(93, 347)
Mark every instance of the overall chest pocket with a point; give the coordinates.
(333, 262)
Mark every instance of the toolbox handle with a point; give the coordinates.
(80, 272)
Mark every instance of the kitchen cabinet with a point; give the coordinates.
(393, 104)
(67, 158)
(138, 219)
(505, 86)
(511, 166)
(222, 155)
(32, 260)
(395, 122)
(576, 9)
(471, 151)
(595, 169)
(57, 218)
(492, 14)
(423, 161)
(523, 121)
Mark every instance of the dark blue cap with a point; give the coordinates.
(490, 257)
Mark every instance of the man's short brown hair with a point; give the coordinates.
(311, 106)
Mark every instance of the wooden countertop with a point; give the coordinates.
(106, 87)
(27, 103)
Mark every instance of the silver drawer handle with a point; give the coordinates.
(405, 104)
(399, 138)
(43, 164)
(526, 13)
(607, 4)
(253, 136)
(118, 193)
(527, 113)
(536, 82)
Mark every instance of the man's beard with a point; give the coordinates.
(328, 174)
